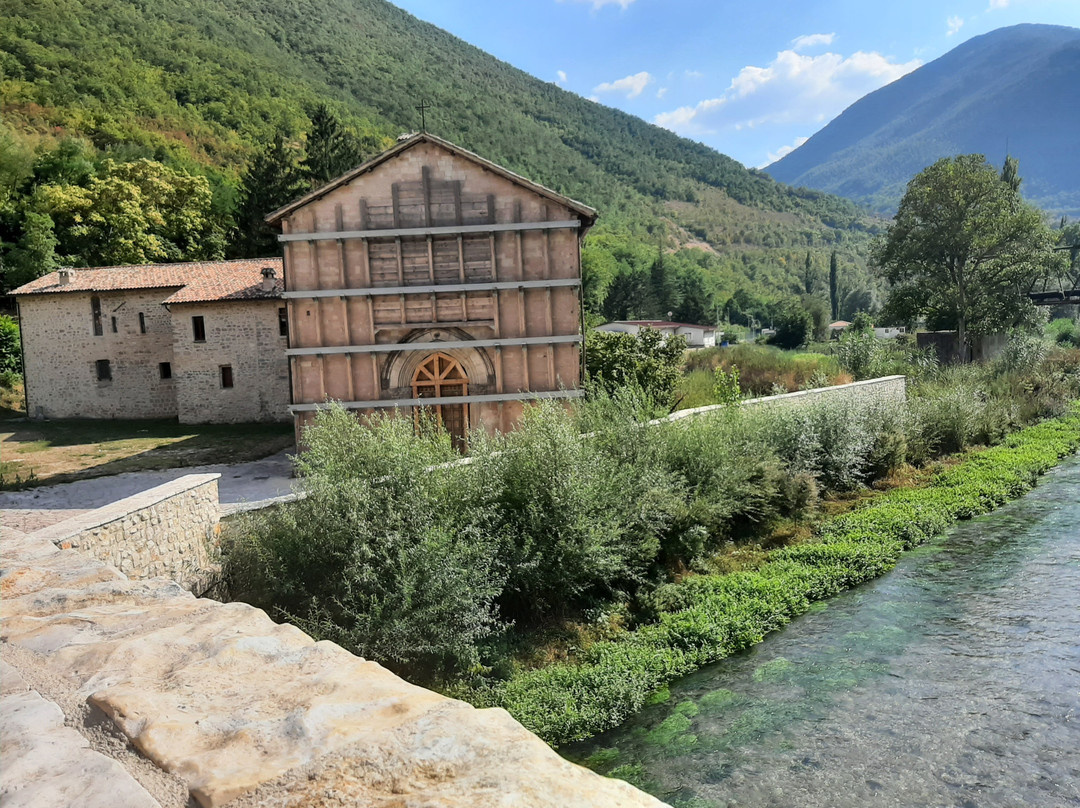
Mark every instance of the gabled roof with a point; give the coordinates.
(196, 282)
(587, 214)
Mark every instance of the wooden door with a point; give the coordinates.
(441, 376)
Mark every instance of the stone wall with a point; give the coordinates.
(61, 350)
(884, 389)
(170, 531)
(244, 336)
(229, 707)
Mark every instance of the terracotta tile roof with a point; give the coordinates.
(197, 282)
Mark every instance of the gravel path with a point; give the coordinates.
(240, 485)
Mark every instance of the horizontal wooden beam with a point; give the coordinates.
(450, 230)
(428, 289)
(430, 402)
(394, 347)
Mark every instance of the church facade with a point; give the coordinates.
(430, 277)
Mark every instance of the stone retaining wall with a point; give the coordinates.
(884, 389)
(171, 530)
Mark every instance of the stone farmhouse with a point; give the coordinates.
(200, 342)
(431, 277)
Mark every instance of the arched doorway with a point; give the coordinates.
(441, 376)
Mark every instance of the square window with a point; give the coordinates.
(142, 323)
(198, 328)
(226, 376)
(104, 370)
(165, 369)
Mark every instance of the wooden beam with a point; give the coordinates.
(446, 230)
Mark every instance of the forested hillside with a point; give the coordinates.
(128, 126)
(1009, 90)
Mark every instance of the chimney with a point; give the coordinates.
(66, 275)
(268, 281)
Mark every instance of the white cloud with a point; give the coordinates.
(599, 4)
(772, 157)
(562, 76)
(661, 92)
(792, 89)
(997, 4)
(694, 74)
(811, 40)
(632, 86)
(954, 24)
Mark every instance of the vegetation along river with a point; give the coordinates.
(954, 680)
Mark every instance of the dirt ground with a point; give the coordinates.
(48, 452)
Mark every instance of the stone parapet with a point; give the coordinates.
(171, 531)
(249, 712)
(880, 390)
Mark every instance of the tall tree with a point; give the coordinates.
(331, 148)
(808, 275)
(272, 179)
(834, 286)
(1010, 173)
(964, 249)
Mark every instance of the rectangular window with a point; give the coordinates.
(104, 370)
(114, 325)
(226, 376)
(95, 308)
(283, 322)
(142, 323)
(198, 328)
(165, 368)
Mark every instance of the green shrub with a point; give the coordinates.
(10, 346)
(726, 386)
(574, 521)
(707, 617)
(386, 555)
(648, 360)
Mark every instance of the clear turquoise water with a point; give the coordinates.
(952, 681)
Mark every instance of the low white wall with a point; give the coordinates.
(886, 388)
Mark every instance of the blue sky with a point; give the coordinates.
(751, 79)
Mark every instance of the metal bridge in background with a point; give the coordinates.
(1061, 296)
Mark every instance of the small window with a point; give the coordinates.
(198, 328)
(95, 308)
(104, 370)
(114, 329)
(226, 376)
(142, 323)
(165, 369)
(283, 322)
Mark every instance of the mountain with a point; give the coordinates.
(1011, 90)
(202, 85)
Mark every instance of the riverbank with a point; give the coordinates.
(707, 617)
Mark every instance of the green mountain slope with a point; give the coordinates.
(1010, 90)
(199, 85)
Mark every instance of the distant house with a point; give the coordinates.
(431, 277)
(201, 342)
(697, 336)
(890, 332)
(838, 326)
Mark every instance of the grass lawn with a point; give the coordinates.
(48, 452)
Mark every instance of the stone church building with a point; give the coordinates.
(200, 342)
(431, 277)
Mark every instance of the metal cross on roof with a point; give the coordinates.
(423, 108)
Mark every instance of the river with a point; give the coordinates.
(954, 680)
